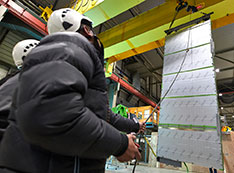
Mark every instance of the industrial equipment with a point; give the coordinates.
(226, 129)
(121, 109)
(143, 113)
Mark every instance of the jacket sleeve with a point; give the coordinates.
(123, 124)
(6, 92)
(52, 114)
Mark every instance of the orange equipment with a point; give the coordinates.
(143, 113)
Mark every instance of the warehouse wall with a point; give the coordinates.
(3, 71)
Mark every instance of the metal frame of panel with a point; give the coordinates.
(189, 122)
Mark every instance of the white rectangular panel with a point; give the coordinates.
(197, 82)
(189, 111)
(196, 58)
(198, 35)
(191, 103)
(190, 146)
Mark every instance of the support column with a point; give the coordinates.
(152, 159)
(113, 89)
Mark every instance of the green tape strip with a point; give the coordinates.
(187, 49)
(196, 69)
(202, 95)
(189, 126)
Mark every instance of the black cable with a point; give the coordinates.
(173, 79)
(173, 20)
(186, 53)
(134, 167)
(139, 140)
(177, 10)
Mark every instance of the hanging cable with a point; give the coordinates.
(157, 106)
(173, 20)
(172, 83)
(180, 5)
(181, 65)
(187, 170)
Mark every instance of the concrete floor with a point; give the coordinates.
(142, 169)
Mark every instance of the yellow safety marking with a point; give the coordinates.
(150, 146)
(104, 13)
(130, 44)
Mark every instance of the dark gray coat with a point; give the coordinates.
(60, 115)
(6, 92)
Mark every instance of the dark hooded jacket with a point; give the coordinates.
(60, 121)
(6, 92)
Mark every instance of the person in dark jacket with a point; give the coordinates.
(60, 121)
(9, 83)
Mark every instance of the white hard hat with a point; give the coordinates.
(22, 49)
(65, 19)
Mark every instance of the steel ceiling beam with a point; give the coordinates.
(160, 43)
(225, 79)
(226, 69)
(6, 64)
(224, 93)
(21, 29)
(99, 14)
(132, 90)
(149, 20)
(25, 16)
(31, 20)
(227, 60)
(225, 50)
(109, 9)
(136, 50)
(145, 41)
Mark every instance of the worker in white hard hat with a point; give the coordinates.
(61, 122)
(9, 83)
(21, 50)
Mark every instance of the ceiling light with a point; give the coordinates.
(233, 116)
(217, 70)
(222, 108)
(220, 94)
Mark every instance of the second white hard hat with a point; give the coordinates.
(21, 50)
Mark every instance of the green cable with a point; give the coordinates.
(186, 167)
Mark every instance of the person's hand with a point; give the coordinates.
(142, 127)
(132, 151)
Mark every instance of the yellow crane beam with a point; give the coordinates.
(154, 38)
(147, 21)
(228, 19)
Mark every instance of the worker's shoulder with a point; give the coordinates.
(71, 47)
(66, 37)
(10, 84)
(71, 41)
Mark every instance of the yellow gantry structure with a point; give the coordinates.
(146, 31)
(83, 6)
(46, 12)
(109, 9)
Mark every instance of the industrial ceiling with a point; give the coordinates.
(134, 33)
